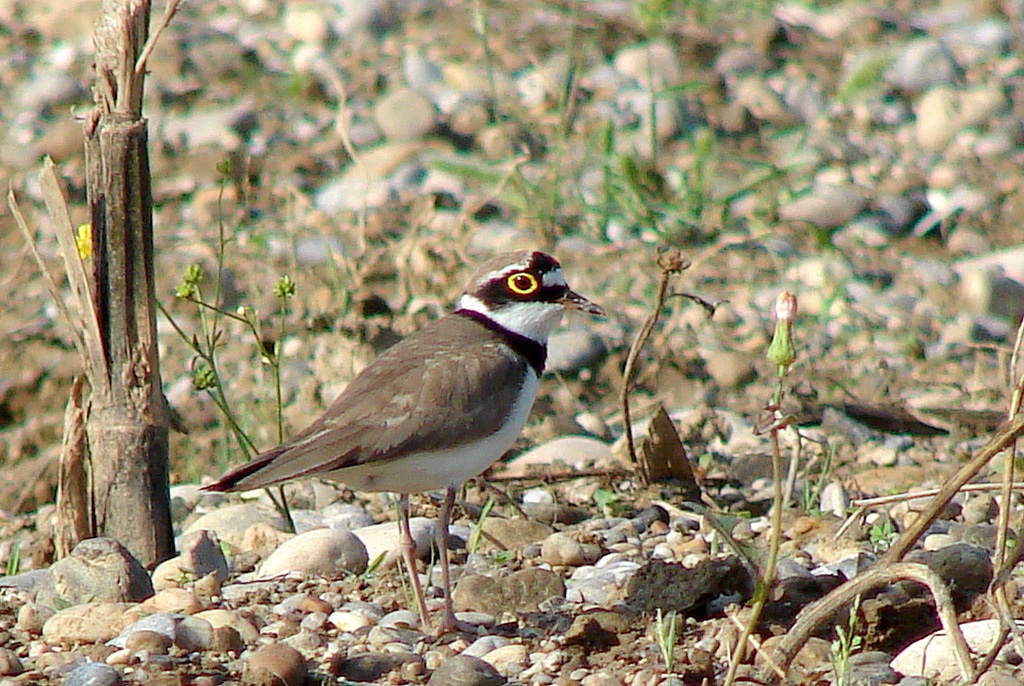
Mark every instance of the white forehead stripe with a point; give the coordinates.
(508, 269)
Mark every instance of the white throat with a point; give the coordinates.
(535, 320)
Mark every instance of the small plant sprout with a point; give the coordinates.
(665, 634)
(608, 500)
(846, 643)
(882, 534)
(478, 529)
(14, 561)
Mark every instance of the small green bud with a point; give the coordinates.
(285, 287)
(189, 287)
(203, 379)
(781, 352)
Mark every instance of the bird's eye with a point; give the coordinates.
(522, 283)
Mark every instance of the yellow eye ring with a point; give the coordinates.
(522, 283)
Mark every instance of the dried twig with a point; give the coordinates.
(814, 616)
(1005, 435)
(671, 261)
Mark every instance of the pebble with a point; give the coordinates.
(561, 550)
(306, 22)
(162, 624)
(520, 591)
(464, 670)
(932, 656)
(991, 292)
(730, 369)
(10, 664)
(511, 534)
(150, 641)
(572, 350)
(319, 551)
(369, 667)
(93, 674)
(176, 600)
(657, 59)
(598, 583)
(508, 660)
(825, 207)
(96, 622)
(233, 619)
(201, 555)
(195, 633)
(278, 659)
(405, 114)
(921, 64)
(484, 645)
(871, 668)
(382, 539)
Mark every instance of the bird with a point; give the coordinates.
(437, 408)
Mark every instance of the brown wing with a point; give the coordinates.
(425, 393)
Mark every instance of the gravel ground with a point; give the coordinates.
(867, 159)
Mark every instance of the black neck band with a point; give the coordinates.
(535, 353)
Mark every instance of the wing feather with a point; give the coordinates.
(448, 396)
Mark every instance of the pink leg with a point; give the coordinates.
(448, 623)
(409, 555)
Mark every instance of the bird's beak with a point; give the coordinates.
(574, 301)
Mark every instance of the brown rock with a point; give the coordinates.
(597, 630)
(276, 663)
(512, 534)
(520, 591)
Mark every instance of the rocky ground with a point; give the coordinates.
(865, 158)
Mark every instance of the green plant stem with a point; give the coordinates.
(767, 578)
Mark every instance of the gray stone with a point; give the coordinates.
(598, 584)
(980, 508)
(98, 569)
(521, 591)
(93, 674)
(202, 554)
(383, 538)
(194, 633)
(346, 516)
(572, 350)
(826, 207)
(921, 64)
(369, 666)
(405, 114)
(465, 670)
